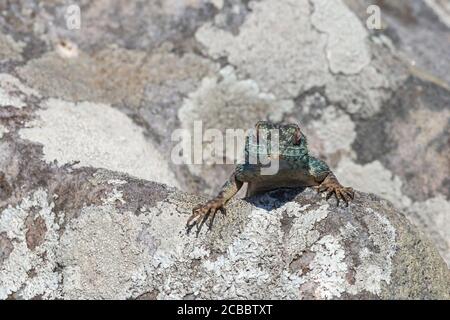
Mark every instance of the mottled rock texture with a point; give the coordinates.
(74, 103)
(114, 237)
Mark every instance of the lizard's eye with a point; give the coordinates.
(297, 137)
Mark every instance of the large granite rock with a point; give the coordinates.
(95, 234)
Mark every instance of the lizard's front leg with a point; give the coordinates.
(332, 186)
(328, 182)
(201, 213)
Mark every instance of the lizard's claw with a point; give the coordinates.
(341, 193)
(201, 213)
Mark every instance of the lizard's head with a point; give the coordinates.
(270, 138)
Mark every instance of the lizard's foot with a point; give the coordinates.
(201, 213)
(335, 188)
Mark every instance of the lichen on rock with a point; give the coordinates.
(27, 270)
(73, 105)
(95, 135)
(282, 245)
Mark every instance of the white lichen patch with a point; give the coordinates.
(347, 51)
(376, 266)
(10, 49)
(253, 261)
(335, 129)
(316, 44)
(362, 94)
(100, 255)
(110, 254)
(252, 266)
(327, 271)
(26, 272)
(98, 136)
(373, 178)
(283, 55)
(113, 197)
(164, 224)
(218, 3)
(433, 216)
(177, 7)
(257, 264)
(13, 92)
(226, 102)
(117, 182)
(328, 268)
(302, 233)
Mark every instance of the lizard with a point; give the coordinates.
(296, 168)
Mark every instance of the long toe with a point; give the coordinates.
(330, 193)
(197, 213)
(338, 199)
(203, 220)
(349, 196)
(211, 220)
(352, 193)
(345, 197)
(192, 217)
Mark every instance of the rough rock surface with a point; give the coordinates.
(374, 104)
(131, 242)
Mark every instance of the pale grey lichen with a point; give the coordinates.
(40, 261)
(252, 261)
(302, 234)
(302, 51)
(335, 129)
(433, 217)
(10, 49)
(109, 254)
(218, 3)
(257, 251)
(13, 92)
(293, 251)
(101, 256)
(96, 135)
(328, 268)
(347, 50)
(227, 97)
(374, 178)
(362, 94)
(284, 55)
(377, 265)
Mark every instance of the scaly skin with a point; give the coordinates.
(296, 169)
